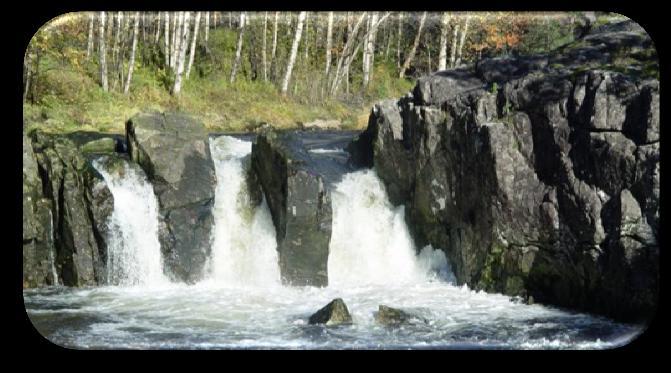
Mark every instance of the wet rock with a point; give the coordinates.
(173, 150)
(334, 313)
(101, 146)
(389, 316)
(300, 205)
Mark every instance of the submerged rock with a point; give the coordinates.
(173, 150)
(538, 175)
(300, 205)
(389, 316)
(334, 313)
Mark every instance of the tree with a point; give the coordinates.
(263, 48)
(463, 38)
(89, 44)
(102, 53)
(207, 27)
(442, 55)
(192, 51)
(344, 55)
(166, 39)
(453, 53)
(294, 50)
(184, 36)
(369, 48)
(131, 63)
(413, 50)
(238, 50)
(329, 42)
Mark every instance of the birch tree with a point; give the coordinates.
(89, 44)
(413, 50)
(294, 50)
(442, 55)
(184, 36)
(207, 27)
(102, 52)
(350, 40)
(158, 29)
(369, 49)
(453, 53)
(166, 39)
(192, 51)
(176, 31)
(263, 48)
(463, 39)
(238, 49)
(398, 40)
(329, 42)
(131, 62)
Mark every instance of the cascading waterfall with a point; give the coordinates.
(370, 242)
(134, 251)
(244, 249)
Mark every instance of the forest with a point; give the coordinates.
(237, 70)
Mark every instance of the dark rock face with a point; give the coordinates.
(545, 187)
(62, 228)
(300, 205)
(334, 313)
(173, 149)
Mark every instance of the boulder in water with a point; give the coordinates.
(173, 150)
(334, 313)
(389, 316)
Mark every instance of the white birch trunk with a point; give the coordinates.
(442, 55)
(294, 50)
(264, 46)
(346, 48)
(103, 52)
(176, 32)
(463, 39)
(413, 50)
(184, 36)
(89, 44)
(329, 42)
(398, 40)
(131, 62)
(238, 49)
(207, 27)
(192, 51)
(117, 35)
(453, 53)
(307, 30)
(158, 29)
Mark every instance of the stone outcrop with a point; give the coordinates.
(173, 150)
(334, 313)
(538, 176)
(66, 205)
(389, 316)
(300, 205)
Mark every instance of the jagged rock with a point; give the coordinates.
(334, 313)
(300, 205)
(70, 248)
(173, 150)
(101, 146)
(523, 182)
(392, 316)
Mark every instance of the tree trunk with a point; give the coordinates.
(158, 29)
(176, 32)
(131, 62)
(442, 55)
(264, 46)
(398, 40)
(463, 39)
(329, 42)
(27, 68)
(294, 50)
(413, 50)
(102, 51)
(307, 30)
(207, 27)
(117, 35)
(192, 52)
(238, 50)
(350, 39)
(453, 53)
(184, 36)
(166, 38)
(89, 44)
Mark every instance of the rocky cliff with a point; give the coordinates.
(538, 176)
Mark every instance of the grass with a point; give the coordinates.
(70, 98)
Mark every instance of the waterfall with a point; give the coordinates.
(370, 242)
(134, 251)
(244, 249)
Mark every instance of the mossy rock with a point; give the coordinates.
(100, 146)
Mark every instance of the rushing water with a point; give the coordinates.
(242, 304)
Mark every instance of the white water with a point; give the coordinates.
(241, 305)
(244, 249)
(370, 242)
(134, 251)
